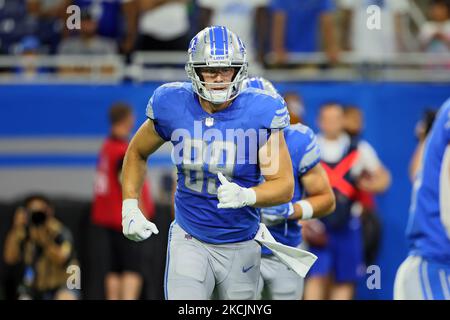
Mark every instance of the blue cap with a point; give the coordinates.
(29, 43)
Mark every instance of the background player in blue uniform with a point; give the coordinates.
(222, 134)
(425, 274)
(311, 184)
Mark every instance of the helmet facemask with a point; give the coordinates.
(206, 89)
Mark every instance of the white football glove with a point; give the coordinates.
(233, 196)
(271, 216)
(134, 224)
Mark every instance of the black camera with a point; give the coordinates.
(37, 218)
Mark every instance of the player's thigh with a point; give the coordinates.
(188, 274)
(260, 289)
(407, 283)
(266, 276)
(419, 279)
(286, 284)
(241, 282)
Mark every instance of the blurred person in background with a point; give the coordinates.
(351, 164)
(434, 35)
(88, 41)
(378, 42)
(115, 19)
(298, 26)
(423, 127)
(425, 273)
(249, 19)
(51, 16)
(29, 50)
(43, 247)
(124, 279)
(163, 25)
(364, 205)
(295, 107)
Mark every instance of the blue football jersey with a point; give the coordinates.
(204, 144)
(305, 154)
(428, 230)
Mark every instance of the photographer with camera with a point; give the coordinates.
(43, 247)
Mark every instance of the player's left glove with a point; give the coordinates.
(233, 196)
(134, 224)
(277, 214)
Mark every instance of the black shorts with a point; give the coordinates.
(121, 253)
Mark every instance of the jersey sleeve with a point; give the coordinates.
(310, 152)
(158, 111)
(273, 112)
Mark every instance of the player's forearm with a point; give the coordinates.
(322, 204)
(274, 192)
(133, 173)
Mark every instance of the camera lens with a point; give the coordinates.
(38, 217)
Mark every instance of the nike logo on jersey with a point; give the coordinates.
(244, 269)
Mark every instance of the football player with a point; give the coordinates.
(223, 139)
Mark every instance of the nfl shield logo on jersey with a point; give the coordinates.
(209, 122)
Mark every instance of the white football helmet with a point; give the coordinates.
(260, 83)
(217, 46)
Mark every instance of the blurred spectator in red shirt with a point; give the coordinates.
(124, 279)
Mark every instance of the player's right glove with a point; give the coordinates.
(134, 224)
(233, 196)
(278, 214)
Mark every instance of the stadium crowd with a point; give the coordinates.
(280, 27)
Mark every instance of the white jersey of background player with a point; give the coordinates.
(312, 192)
(425, 274)
(211, 244)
